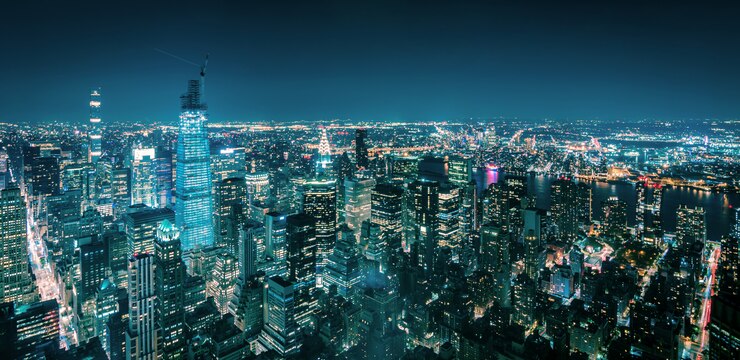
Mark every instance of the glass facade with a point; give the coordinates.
(193, 204)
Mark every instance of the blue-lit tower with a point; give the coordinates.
(194, 204)
(95, 148)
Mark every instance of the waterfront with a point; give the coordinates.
(718, 206)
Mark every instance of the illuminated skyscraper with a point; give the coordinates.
(15, 280)
(357, 202)
(143, 177)
(361, 149)
(343, 266)
(302, 258)
(323, 164)
(231, 211)
(222, 284)
(258, 186)
(615, 216)
(320, 202)
(95, 147)
(275, 245)
(142, 338)
(690, 225)
(386, 210)
(564, 207)
(170, 274)
(424, 224)
(281, 332)
(194, 203)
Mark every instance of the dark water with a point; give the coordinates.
(719, 207)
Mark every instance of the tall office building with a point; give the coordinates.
(163, 173)
(641, 208)
(424, 225)
(45, 176)
(231, 211)
(386, 210)
(143, 177)
(494, 248)
(228, 163)
(169, 275)
(194, 203)
(363, 162)
(275, 245)
(323, 163)
(460, 170)
(357, 201)
(120, 191)
(449, 220)
(142, 335)
(565, 207)
(320, 202)
(140, 225)
(258, 186)
(585, 203)
(301, 237)
(690, 225)
(16, 283)
(93, 262)
(615, 216)
(281, 331)
(532, 254)
(343, 267)
(223, 281)
(95, 148)
(26, 330)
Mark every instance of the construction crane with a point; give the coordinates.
(203, 77)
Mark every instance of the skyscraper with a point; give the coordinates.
(142, 338)
(231, 210)
(361, 149)
(425, 222)
(143, 177)
(281, 332)
(170, 275)
(564, 206)
(320, 202)
(95, 148)
(15, 280)
(258, 186)
(615, 216)
(140, 225)
(690, 225)
(323, 164)
(302, 258)
(194, 203)
(357, 201)
(386, 210)
(343, 266)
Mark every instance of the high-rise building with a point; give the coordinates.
(494, 248)
(16, 284)
(45, 176)
(275, 245)
(386, 210)
(343, 267)
(357, 201)
(523, 300)
(223, 281)
(26, 330)
(258, 187)
(93, 262)
(532, 254)
(690, 225)
(641, 208)
(460, 170)
(163, 173)
(302, 260)
(424, 222)
(120, 191)
(95, 147)
(251, 238)
(615, 216)
(361, 149)
(194, 203)
(281, 331)
(169, 275)
(228, 163)
(320, 202)
(142, 335)
(323, 163)
(140, 225)
(564, 206)
(449, 220)
(231, 211)
(143, 177)
(585, 200)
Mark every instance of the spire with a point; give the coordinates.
(324, 162)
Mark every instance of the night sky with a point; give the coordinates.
(374, 60)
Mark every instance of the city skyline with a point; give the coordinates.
(386, 61)
(474, 238)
